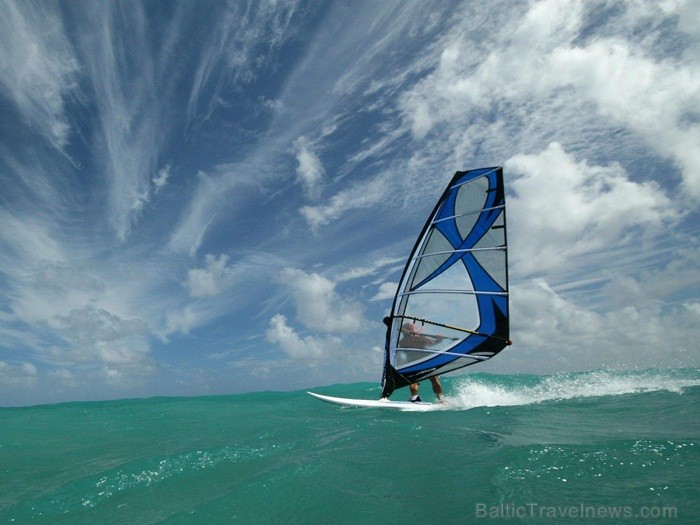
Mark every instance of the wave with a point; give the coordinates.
(482, 390)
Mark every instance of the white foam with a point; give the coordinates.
(478, 392)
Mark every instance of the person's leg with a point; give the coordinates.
(437, 387)
(414, 392)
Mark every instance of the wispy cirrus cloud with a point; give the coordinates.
(26, 238)
(327, 87)
(360, 195)
(38, 68)
(130, 93)
(216, 197)
(246, 37)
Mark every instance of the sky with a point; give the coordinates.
(204, 198)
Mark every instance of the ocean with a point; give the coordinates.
(601, 446)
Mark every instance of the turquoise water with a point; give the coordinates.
(553, 449)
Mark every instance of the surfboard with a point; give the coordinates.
(406, 406)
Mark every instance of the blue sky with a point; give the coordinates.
(212, 197)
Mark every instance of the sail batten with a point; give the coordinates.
(426, 351)
(454, 285)
(464, 214)
(471, 292)
(463, 250)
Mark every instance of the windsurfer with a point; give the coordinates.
(412, 336)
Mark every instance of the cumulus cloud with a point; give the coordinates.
(53, 289)
(318, 304)
(651, 98)
(64, 377)
(563, 208)
(320, 308)
(182, 320)
(385, 291)
(24, 374)
(308, 348)
(552, 332)
(98, 337)
(584, 104)
(213, 279)
(545, 61)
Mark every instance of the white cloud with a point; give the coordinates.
(310, 170)
(213, 279)
(64, 377)
(228, 186)
(21, 375)
(679, 276)
(39, 68)
(130, 97)
(51, 289)
(358, 196)
(97, 336)
(161, 179)
(27, 240)
(386, 291)
(319, 306)
(586, 104)
(552, 332)
(244, 41)
(542, 62)
(563, 209)
(307, 348)
(380, 264)
(182, 321)
(651, 98)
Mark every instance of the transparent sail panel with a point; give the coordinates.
(470, 197)
(452, 309)
(494, 237)
(427, 341)
(436, 316)
(493, 261)
(454, 278)
(423, 267)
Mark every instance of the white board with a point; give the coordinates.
(376, 403)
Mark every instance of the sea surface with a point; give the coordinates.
(608, 447)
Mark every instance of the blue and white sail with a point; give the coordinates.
(451, 306)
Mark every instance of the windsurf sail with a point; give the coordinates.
(451, 306)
